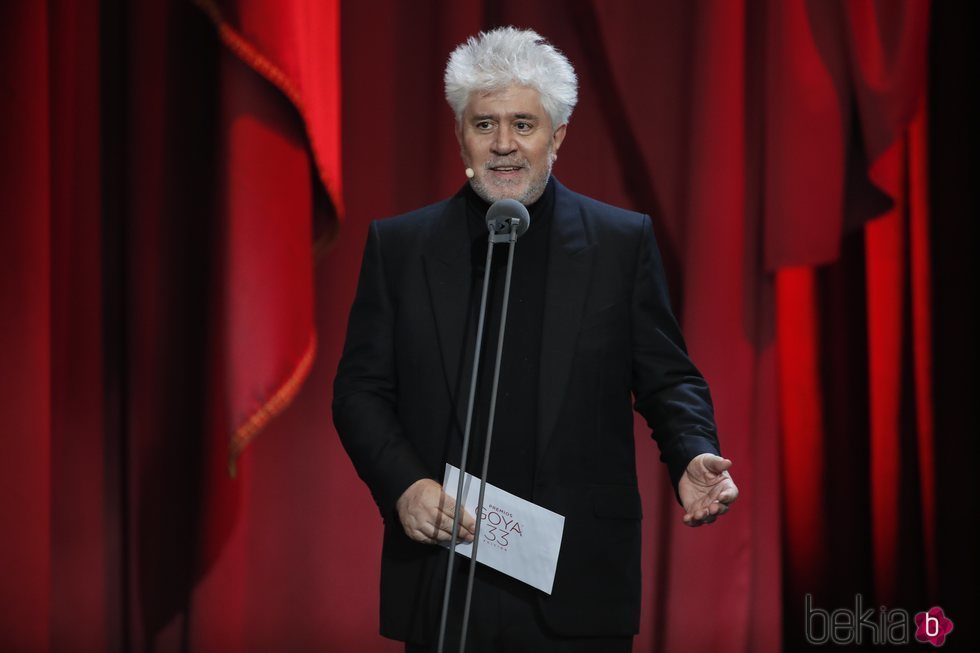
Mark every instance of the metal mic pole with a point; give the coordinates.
(499, 217)
(457, 513)
(514, 225)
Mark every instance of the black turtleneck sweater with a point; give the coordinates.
(512, 456)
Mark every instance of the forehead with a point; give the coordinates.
(510, 100)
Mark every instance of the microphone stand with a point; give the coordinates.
(510, 237)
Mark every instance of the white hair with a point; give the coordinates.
(496, 59)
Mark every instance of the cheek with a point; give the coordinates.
(469, 150)
(542, 154)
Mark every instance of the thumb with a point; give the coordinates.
(717, 464)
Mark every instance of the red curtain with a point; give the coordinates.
(165, 205)
(24, 334)
(171, 166)
(53, 572)
(853, 95)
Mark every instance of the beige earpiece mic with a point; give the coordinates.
(469, 173)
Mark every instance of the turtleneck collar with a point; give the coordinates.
(477, 206)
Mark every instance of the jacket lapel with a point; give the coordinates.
(446, 261)
(448, 273)
(570, 258)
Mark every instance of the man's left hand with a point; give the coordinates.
(706, 489)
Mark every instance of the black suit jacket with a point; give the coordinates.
(400, 393)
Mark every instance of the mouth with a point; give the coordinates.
(508, 169)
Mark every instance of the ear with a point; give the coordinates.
(557, 139)
(459, 139)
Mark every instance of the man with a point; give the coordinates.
(589, 325)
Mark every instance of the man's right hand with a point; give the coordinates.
(426, 513)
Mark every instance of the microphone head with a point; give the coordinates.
(500, 213)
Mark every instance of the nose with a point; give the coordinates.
(503, 143)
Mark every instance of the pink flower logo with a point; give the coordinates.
(932, 626)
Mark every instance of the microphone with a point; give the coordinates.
(500, 214)
(469, 173)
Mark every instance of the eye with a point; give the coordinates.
(483, 125)
(523, 126)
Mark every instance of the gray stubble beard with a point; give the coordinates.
(534, 189)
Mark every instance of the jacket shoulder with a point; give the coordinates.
(604, 219)
(412, 221)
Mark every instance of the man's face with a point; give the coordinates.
(508, 140)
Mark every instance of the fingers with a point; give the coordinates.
(705, 514)
(467, 525)
(707, 468)
(726, 492)
(443, 522)
(426, 514)
(728, 495)
(437, 529)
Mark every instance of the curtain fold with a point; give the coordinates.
(878, 57)
(25, 328)
(170, 167)
(294, 46)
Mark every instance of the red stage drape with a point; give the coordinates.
(54, 528)
(169, 167)
(174, 313)
(24, 336)
(855, 91)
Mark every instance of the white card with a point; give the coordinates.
(517, 537)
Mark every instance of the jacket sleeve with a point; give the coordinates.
(365, 389)
(670, 393)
